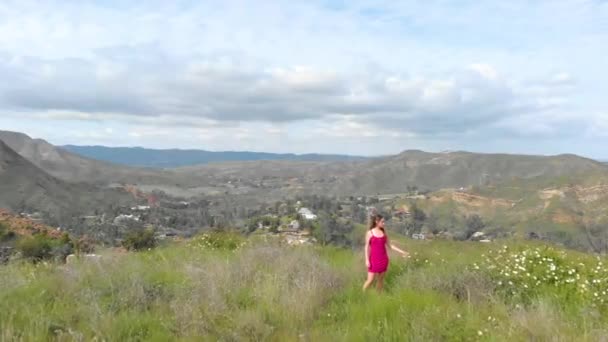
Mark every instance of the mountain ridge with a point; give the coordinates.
(176, 157)
(24, 186)
(391, 174)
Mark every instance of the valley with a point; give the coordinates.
(456, 194)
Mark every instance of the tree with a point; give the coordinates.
(140, 239)
(597, 237)
(252, 224)
(432, 222)
(416, 220)
(331, 230)
(473, 224)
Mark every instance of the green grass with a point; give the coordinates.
(258, 291)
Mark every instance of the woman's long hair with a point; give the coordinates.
(373, 221)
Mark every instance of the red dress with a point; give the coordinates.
(378, 257)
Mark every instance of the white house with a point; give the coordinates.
(294, 225)
(141, 208)
(307, 214)
(122, 219)
(418, 237)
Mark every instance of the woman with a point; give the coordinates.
(376, 256)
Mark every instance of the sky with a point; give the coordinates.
(317, 76)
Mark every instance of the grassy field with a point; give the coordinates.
(212, 288)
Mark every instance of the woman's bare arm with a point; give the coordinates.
(397, 249)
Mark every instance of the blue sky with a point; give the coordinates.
(354, 77)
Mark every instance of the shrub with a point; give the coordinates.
(526, 274)
(140, 239)
(5, 233)
(218, 241)
(35, 248)
(84, 245)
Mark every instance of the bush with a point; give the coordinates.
(218, 241)
(84, 245)
(526, 274)
(5, 233)
(35, 248)
(41, 246)
(139, 240)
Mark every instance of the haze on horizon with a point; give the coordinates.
(322, 76)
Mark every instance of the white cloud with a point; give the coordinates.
(422, 71)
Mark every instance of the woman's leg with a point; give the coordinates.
(370, 279)
(380, 281)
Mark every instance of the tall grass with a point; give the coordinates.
(261, 291)
(171, 293)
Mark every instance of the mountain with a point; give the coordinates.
(24, 186)
(72, 167)
(144, 157)
(386, 175)
(271, 179)
(432, 171)
(569, 210)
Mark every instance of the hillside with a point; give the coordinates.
(274, 179)
(432, 171)
(568, 209)
(23, 226)
(385, 175)
(71, 167)
(260, 291)
(24, 186)
(169, 158)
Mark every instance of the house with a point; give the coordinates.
(141, 208)
(294, 225)
(307, 214)
(401, 213)
(122, 219)
(418, 237)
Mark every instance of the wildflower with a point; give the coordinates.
(479, 332)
